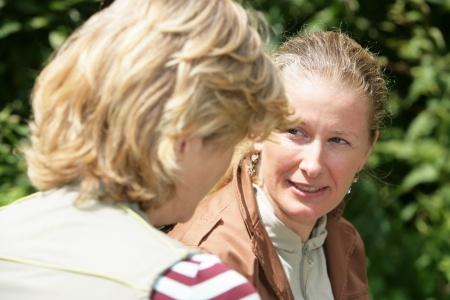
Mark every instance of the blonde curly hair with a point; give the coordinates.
(137, 75)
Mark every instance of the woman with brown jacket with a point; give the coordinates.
(277, 217)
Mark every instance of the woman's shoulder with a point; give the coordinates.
(343, 232)
(212, 214)
(202, 276)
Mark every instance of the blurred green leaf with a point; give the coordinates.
(57, 38)
(9, 28)
(423, 125)
(421, 174)
(409, 211)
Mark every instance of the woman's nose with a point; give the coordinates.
(311, 161)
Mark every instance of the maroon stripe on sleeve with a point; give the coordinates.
(189, 279)
(237, 292)
(201, 276)
(159, 296)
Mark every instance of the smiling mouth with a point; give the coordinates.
(307, 189)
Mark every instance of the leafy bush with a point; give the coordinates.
(13, 181)
(404, 215)
(29, 32)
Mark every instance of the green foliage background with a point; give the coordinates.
(403, 213)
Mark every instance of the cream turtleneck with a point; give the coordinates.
(304, 264)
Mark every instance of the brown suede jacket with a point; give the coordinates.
(227, 224)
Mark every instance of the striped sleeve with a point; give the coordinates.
(202, 276)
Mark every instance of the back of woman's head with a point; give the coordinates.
(135, 77)
(341, 60)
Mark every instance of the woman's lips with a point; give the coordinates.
(307, 189)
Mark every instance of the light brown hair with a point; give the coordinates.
(335, 56)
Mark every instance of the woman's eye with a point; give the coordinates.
(293, 131)
(297, 133)
(338, 140)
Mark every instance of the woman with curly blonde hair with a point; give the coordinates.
(135, 118)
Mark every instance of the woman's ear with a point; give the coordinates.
(375, 138)
(369, 150)
(185, 147)
(180, 146)
(258, 145)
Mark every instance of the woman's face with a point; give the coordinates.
(307, 170)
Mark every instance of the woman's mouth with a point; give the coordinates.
(307, 189)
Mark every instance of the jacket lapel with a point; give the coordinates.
(345, 255)
(261, 243)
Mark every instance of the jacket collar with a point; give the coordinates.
(263, 250)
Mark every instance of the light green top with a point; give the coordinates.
(304, 264)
